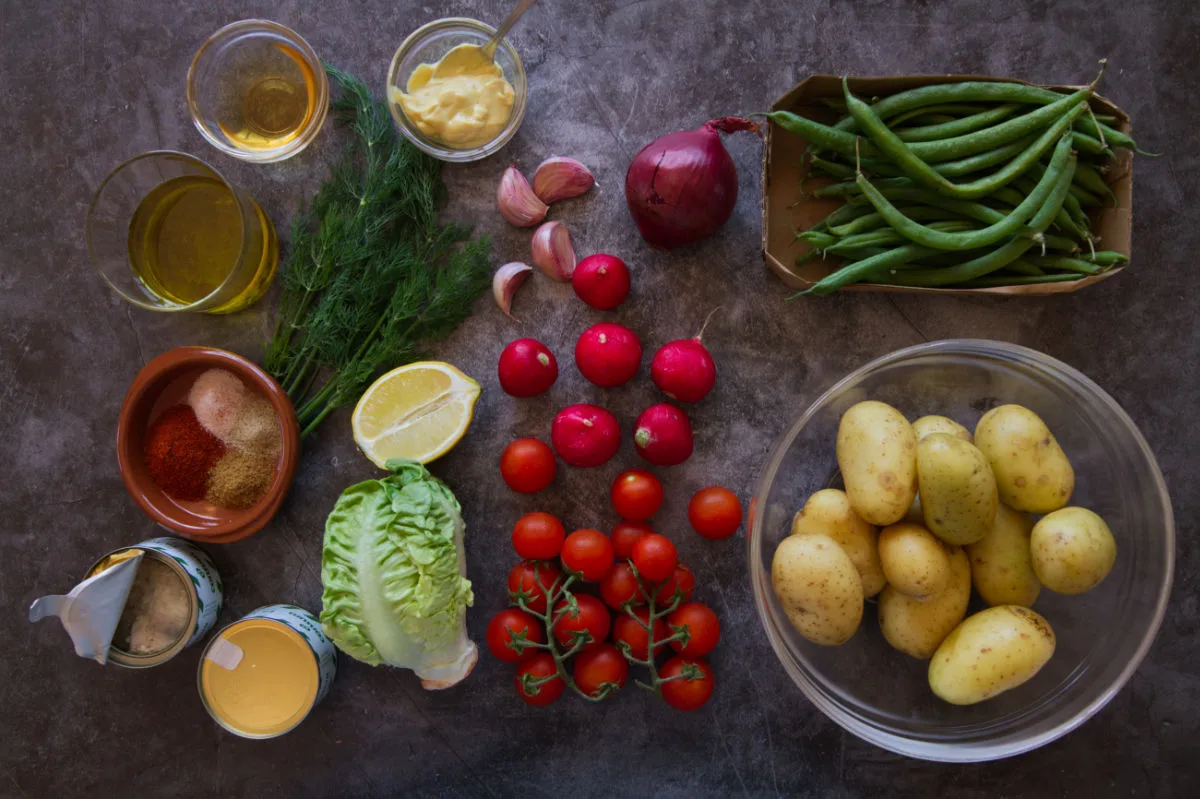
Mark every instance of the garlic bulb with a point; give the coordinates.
(505, 283)
(560, 178)
(552, 251)
(516, 200)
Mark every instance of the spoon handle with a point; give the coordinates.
(489, 49)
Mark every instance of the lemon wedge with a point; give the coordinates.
(418, 411)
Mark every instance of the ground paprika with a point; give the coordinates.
(179, 453)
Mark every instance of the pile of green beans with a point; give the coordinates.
(962, 185)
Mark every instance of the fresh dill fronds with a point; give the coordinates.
(372, 277)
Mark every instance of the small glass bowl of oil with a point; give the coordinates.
(169, 233)
(257, 91)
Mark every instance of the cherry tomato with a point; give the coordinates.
(524, 579)
(537, 667)
(625, 534)
(588, 553)
(704, 628)
(631, 631)
(683, 579)
(686, 694)
(599, 667)
(655, 557)
(620, 586)
(509, 623)
(538, 536)
(715, 512)
(636, 494)
(592, 617)
(527, 465)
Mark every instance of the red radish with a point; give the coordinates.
(663, 435)
(608, 354)
(585, 435)
(527, 368)
(684, 369)
(602, 281)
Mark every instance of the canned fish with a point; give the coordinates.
(173, 603)
(261, 676)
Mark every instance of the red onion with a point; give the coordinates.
(682, 187)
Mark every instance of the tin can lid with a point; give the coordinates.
(91, 611)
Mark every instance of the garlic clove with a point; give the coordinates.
(552, 251)
(560, 178)
(516, 200)
(505, 283)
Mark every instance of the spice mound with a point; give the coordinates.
(222, 447)
(157, 612)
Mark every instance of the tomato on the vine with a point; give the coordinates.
(588, 553)
(685, 693)
(599, 667)
(703, 626)
(538, 536)
(632, 632)
(655, 557)
(625, 535)
(511, 624)
(533, 669)
(636, 494)
(620, 586)
(527, 465)
(524, 579)
(683, 579)
(715, 512)
(591, 617)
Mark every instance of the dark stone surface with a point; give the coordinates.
(86, 84)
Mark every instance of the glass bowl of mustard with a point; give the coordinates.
(450, 101)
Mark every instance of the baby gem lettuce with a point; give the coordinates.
(393, 570)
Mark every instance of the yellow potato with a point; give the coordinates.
(958, 491)
(1001, 563)
(989, 653)
(828, 512)
(1073, 550)
(914, 561)
(1032, 471)
(940, 424)
(917, 628)
(819, 588)
(877, 453)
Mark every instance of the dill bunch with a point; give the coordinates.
(372, 277)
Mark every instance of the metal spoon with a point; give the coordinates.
(489, 49)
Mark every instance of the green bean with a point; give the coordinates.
(1063, 220)
(997, 258)
(1090, 144)
(957, 127)
(886, 236)
(1088, 178)
(912, 164)
(856, 271)
(818, 239)
(949, 108)
(1109, 258)
(850, 188)
(1085, 197)
(818, 135)
(1017, 280)
(949, 169)
(875, 219)
(1065, 264)
(925, 120)
(832, 168)
(848, 212)
(1007, 226)
(1023, 267)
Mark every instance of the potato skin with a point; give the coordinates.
(916, 628)
(828, 512)
(940, 424)
(914, 561)
(819, 588)
(1072, 550)
(958, 490)
(1002, 563)
(1032, 472)
(993, 651)
(877, 453)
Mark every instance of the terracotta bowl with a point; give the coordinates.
(163, 383)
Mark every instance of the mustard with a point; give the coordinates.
(463, 100)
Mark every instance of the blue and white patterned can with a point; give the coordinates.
(309, 628)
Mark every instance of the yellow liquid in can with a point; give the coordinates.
(270, 99)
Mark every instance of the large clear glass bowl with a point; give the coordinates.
(881, 694)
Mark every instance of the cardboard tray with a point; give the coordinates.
(786, 208)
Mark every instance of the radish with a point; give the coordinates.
(663, 435)
(608, 354)
(602, 281)
(585, 435)
(684, 369)
(527, 368)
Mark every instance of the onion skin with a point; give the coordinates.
(683, 186)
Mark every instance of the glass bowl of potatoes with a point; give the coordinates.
(1026, 484)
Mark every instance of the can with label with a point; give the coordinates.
(262, 675)
(174, 601)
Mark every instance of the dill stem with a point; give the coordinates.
(308, 428)
(313, 404)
